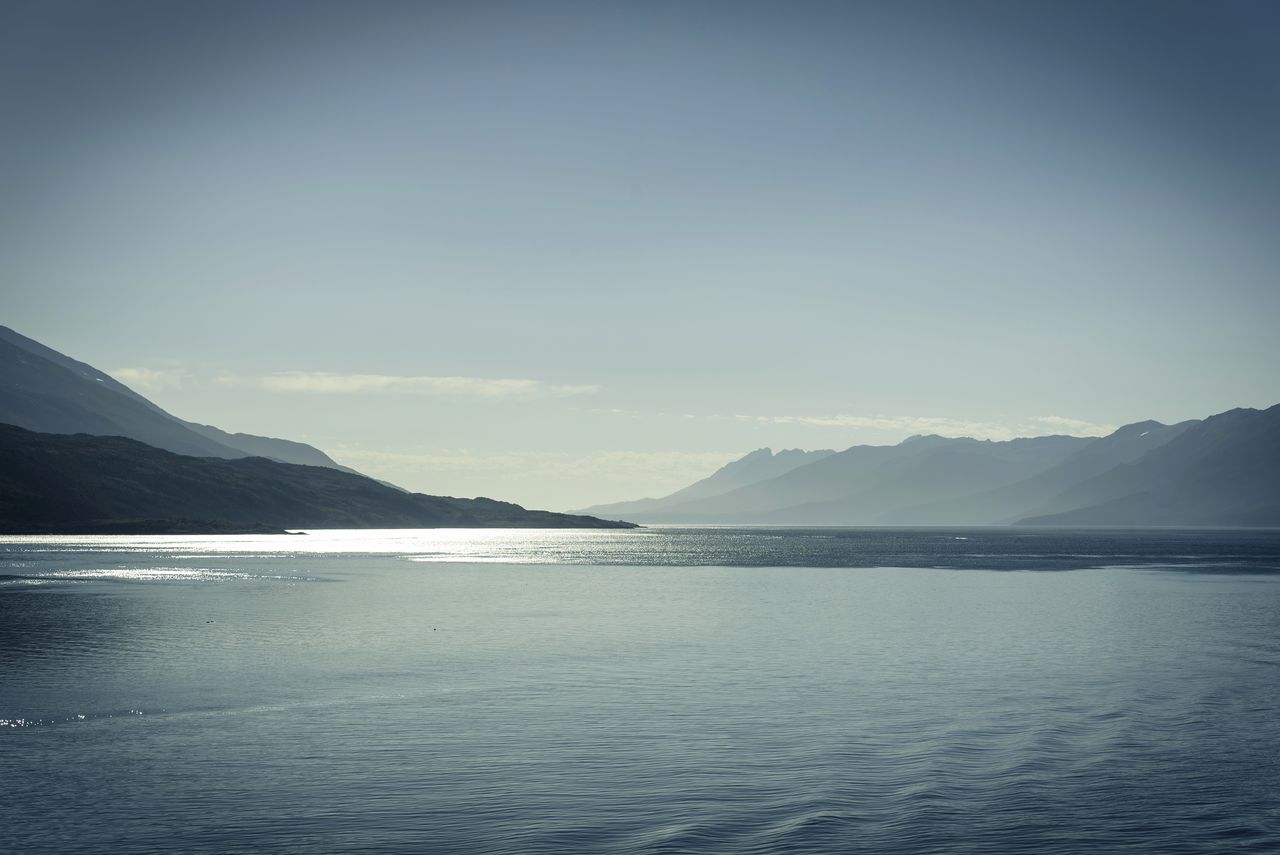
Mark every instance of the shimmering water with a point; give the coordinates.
(714, 690)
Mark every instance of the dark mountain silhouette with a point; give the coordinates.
(760, 465)
(44, 390)
(1220, 471)
(40, 395)
(52, 483)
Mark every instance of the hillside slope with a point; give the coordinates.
(862, 484)
(44, 390)
(80, 483)
(760, 465)
(1223, 471)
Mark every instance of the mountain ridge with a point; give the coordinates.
(847, 475)
(1221, 470)
(756, 465)
(1224, 470)
(44, 390)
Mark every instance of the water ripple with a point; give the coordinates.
(196, 698)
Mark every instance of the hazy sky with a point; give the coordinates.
(562, 253)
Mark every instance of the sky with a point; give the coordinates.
(569, 253)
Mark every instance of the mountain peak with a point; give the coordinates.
(1138, 428)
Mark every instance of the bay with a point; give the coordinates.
(659, 690)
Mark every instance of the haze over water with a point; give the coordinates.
(711, 690)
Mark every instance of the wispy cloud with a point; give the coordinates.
(1001, 430)
(325, 383)
(149, 378)
(1076, 427)
(908, 424)
(902, 424)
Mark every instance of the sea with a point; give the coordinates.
(658, 690)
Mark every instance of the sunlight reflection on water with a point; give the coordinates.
(632, 692)
(984, 548)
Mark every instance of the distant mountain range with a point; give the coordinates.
(1221, 471)
(759, 465)
(82, 452)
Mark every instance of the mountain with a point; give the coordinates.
(952, 469)
(861, 484)
(55, 483)
(44, 390)
(40, 395)
(1011, 502)
(1223, 471)
(760, 465)
(1219, 471)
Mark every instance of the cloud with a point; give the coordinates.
(320, 382)
(149, 378)
(1076, 427)
(895, 424)
(943, 426)
(905, 425)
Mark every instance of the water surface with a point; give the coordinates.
(664, 690)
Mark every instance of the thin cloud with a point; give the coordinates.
(325, 383)
(905, 425)
(1076, 427)
(149, 378)
(1035, 426)
(896, 424)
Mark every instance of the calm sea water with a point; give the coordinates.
(661, 690)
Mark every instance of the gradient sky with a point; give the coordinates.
(562, 253)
